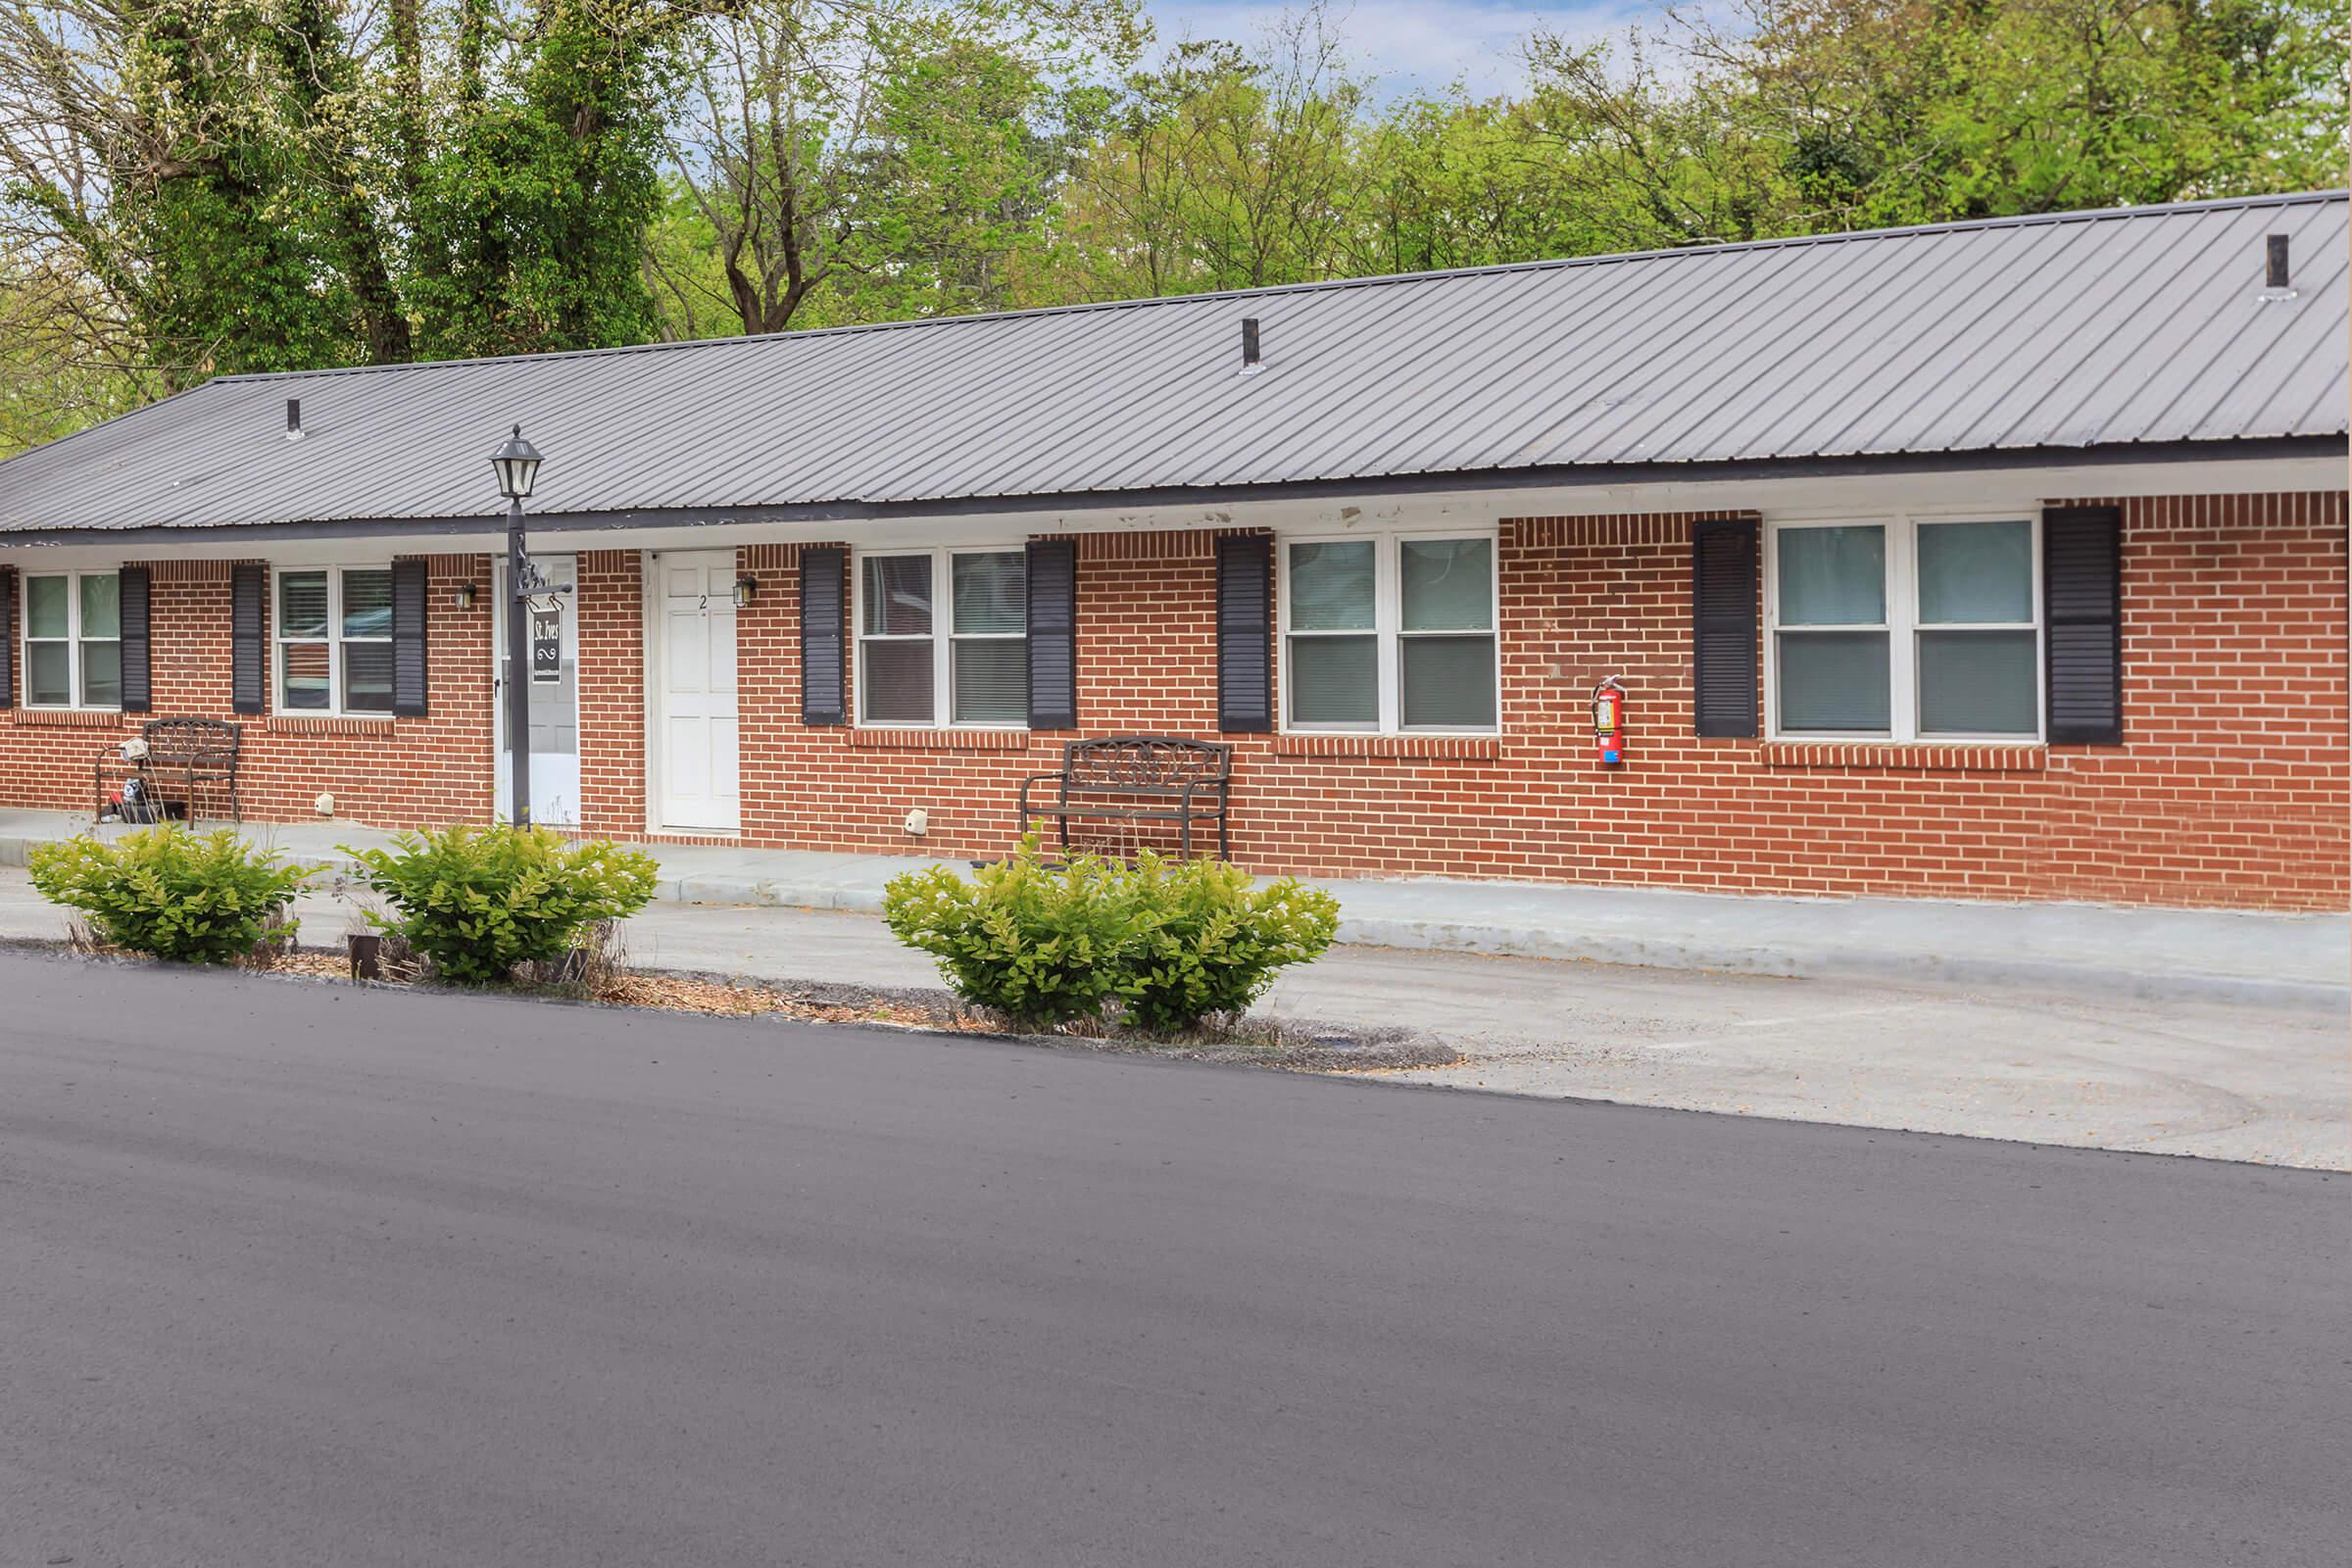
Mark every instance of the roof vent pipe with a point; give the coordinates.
(1249, 344)
(293, 419)
(2277, 275)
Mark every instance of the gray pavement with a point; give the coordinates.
(2264, 1082)
(299, 1275)
(2150, 955)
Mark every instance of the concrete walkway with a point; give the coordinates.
(2225, 1080)
(2148, 954)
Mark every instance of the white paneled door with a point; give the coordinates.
(695, 727)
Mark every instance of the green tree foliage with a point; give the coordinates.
(276, 184)
(195, 186)
(1222, 170)
(836, 162)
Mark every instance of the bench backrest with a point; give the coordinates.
(1144, 763)
(175, 740)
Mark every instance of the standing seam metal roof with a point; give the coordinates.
(2073, 331)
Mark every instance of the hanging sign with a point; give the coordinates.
(547, 646)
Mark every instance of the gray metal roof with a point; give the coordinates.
(2085, 330)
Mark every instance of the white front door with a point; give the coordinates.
(554, 685)
(695, 723)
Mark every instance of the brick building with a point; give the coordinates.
(2003, 560)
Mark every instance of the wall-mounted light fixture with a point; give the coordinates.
(746, 589)
(466, 592)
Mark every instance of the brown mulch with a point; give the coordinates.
(1292, 1044)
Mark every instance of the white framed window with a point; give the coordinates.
(72, 624)
(973, 652)
(1911, 628)
(332, 630)
(1391, 633)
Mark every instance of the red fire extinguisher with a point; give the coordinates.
(1609, 722)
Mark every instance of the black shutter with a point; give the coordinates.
(409, 594)
(132, 596)
(8, 636)
(1054, 634)
(248, 585)
(1723, 627)
(1245, 633)
(2081, 587)
(823, 685)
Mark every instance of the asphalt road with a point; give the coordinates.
(311, 1276)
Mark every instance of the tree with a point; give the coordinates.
(884, 157)
(1879, 112)
(196, 186)
(1223, 168)
(253, 186)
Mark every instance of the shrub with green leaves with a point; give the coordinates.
(1175, 942)
(1212, 940)
(172, 894)
(478, 900)
(1040, 946)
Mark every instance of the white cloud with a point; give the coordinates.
(1415, 46)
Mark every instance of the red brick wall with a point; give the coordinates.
(2257, 820)
(394, 772)
(2205, 804)
(611, 660)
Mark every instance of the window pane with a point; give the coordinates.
(898, 596)
(302, 605)
(1331, 586)
(48, 679)
(1978, 683)
(1448, 584)
(102, 605)
(991, 593)
(896, 679)
(101, 674)
(1976, 572)
(991, 682)
(45, 607)
(1449, 682)
(367, 677)
(303, 668)
(1335, 680)
(1834, 680)
(1831, 576)
(367, 603)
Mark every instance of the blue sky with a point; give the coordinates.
(1427, 43)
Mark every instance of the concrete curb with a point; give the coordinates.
(1798, 961)
(1988, 947)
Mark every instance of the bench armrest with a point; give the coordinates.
(1061, 796)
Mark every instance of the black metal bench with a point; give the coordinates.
(187, 753)
(1139, 778)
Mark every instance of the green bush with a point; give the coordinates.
(1175, 942)
(1042, 946)
(1212, 940)
(170, 893)
(478, 900)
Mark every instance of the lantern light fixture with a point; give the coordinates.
(746, 589)
(517, 466)
(464, 595)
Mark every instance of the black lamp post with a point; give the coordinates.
(518, 467)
